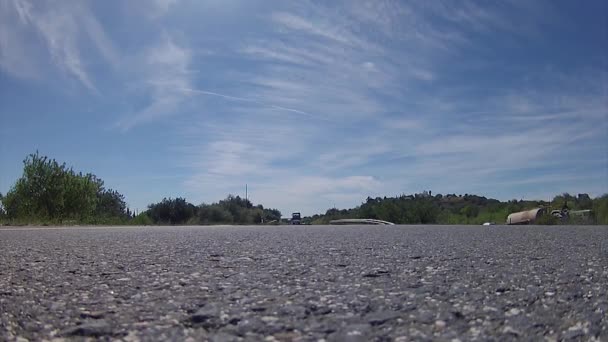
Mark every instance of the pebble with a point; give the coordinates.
(513, 312)
(440, 325)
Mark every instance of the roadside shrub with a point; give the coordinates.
(547, 220)
(214, 214)
(51, 192)
(600, 207)
(141, 220)
(171, 211)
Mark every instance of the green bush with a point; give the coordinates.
(457, 209)
(214, 214)
(171, 211)
(600, 208)
(49, 192)
(141, 220)
(547, 219)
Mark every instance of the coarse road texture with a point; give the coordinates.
(342, 283)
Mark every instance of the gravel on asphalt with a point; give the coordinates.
(285, 283)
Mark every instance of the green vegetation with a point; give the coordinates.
(462, 209)
(171, 211)
(232, 210)
(142, 220)
(51, 193)
(600, 208)
(548, 220)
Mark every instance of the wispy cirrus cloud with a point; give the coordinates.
(63, 29)
(161, 7)
(314, 104)
(335, 68)
(322, 27)
(163, 76)
(243, 99)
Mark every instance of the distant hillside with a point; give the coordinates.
(456, 209)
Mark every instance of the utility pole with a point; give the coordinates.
(246, 193)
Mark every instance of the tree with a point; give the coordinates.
(271, 215)
(80, 196)
(239, 208)
(48, 190)
(513, 206)
(2, 212)
(563, 201)
(425, 212)
(367, 209)
(141, 220)
(600, 207)
(171, 211)
(583, 202)
(470, 211)
(111, 203)
(234, 209)
(214, 214)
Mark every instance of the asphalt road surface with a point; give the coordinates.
(342, 283)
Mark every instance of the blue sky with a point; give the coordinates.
(313, 104)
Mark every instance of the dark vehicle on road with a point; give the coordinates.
(296, 218)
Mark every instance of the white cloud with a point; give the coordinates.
(62, 47)
(15, 54)
(162, 6)
(315, 186)
(61, 28)
(490, 153)
(313, 194)
(470, 16)
(319, 67)
(369, 66)
(422, 74)
(98, 36)
(288, 191)
(232, 158)
(236, 98)
(298, 23)
(404, 124)
(365, 68)
(311, 103)
(163, 72)
(266, 53)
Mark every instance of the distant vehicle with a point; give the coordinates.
(488, 224)
(296, 218)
